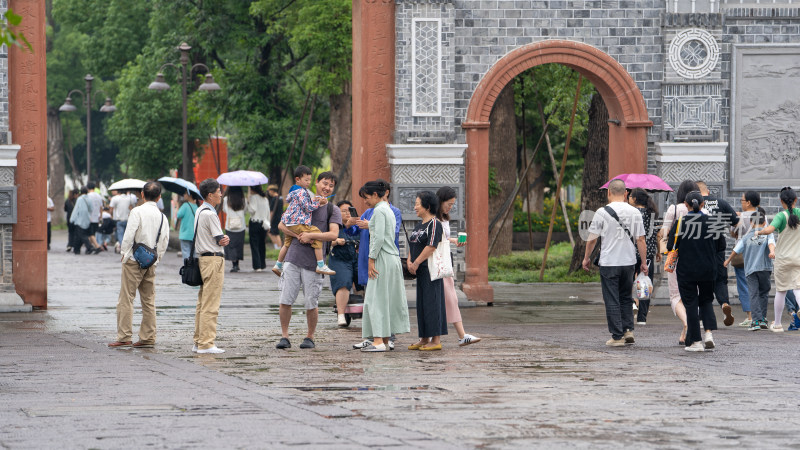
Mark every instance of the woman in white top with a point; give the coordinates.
(675, 212)
(234, 207)
(447, 198)
(258, 208)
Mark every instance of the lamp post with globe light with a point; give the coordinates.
(87, 102)
(185, 73)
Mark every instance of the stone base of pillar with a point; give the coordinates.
(478, 292)
(12, 302)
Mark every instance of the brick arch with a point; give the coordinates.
(627, 141)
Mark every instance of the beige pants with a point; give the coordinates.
(133, 278)
(212, 269)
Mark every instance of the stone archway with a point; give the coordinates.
(627, 140)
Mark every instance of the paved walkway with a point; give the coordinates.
(541, 377)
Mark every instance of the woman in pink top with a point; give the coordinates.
(674, 212)
(447, 198)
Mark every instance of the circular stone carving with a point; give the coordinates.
(693, 53)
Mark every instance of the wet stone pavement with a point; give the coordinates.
(541, 377)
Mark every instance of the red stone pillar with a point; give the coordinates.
(627, 148)
(28, 122)
(476, 284)
(373, 90)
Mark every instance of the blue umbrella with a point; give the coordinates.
(180, 186)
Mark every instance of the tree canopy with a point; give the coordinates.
(267, 56)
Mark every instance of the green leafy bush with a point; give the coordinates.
(541, 222)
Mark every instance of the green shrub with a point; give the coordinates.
(541, 222)
(524, 267)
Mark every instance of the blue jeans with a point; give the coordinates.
(791, 301)
(186, 248)
(741, 286)
(121, 230)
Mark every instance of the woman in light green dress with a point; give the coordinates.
(385, 304)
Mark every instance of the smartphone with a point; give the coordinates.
(353, 211)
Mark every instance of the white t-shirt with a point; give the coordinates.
(234, 220)
(616, 247)
(50, 204)
(95, 206)
(121, 203)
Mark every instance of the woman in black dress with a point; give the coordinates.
(276, 210)
(431, 314)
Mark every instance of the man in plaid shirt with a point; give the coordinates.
(297, 219)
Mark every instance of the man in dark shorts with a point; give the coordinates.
(299, 270)
(722, 213)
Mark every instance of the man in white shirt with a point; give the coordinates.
(95, 209)
(120, 209)
(149, 227)
(209, 241)
(617, 259)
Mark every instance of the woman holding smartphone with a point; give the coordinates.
(344, 260)
(385, 304)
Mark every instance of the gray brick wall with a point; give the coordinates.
(637, 33)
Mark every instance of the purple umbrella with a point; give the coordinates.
(641, 180)
(242, 178)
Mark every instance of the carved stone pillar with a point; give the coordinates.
(28, 125)
(373, 90)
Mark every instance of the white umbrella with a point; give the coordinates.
(128, 183)
(242, 178)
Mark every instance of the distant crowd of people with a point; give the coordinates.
(695, 228)
(362, 251)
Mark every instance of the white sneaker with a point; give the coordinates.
(194, 348)
(325, 270)
(391, 345)
(374, 348)
(696, 347)
(277, 270)
(364, 344)
(342, 321)
(213, 349)
(708, 341)
(635, 307)
(116, 248)
(468, 339)
(775, 328)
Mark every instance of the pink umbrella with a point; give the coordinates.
(641, 180)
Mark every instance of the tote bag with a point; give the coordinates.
(439, 264)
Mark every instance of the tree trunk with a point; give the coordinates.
(595, 169)
(503, 161)
(341, 131)
(55, 163)
(536, 203)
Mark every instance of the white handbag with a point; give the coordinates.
(439, 264)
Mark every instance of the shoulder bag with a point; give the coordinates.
(145, 255)
(671, 261)
(613, 214)
(439, 264)
(190, 272)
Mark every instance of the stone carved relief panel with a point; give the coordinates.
(765, 135)
(6, 176)
(707, 171)
(426, 173)
(693, 53)
(692, 106)
(404, 197)
(426, 70)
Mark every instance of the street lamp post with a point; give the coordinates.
(87, 102)
(208, 85)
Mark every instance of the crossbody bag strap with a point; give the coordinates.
(613, 214)
(677, 232)
(194, 238)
